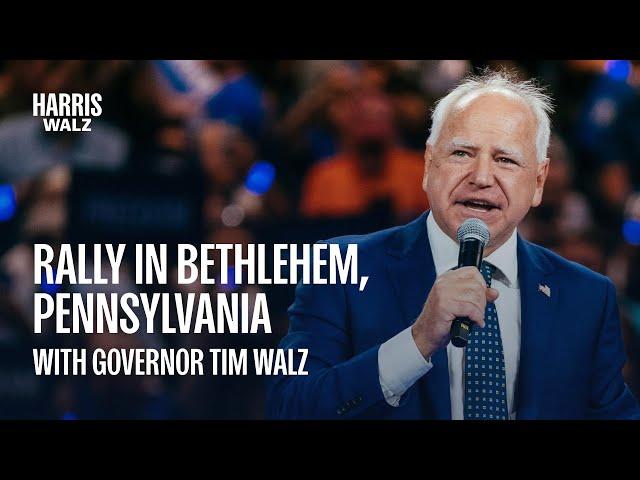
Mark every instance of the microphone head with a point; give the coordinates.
(473, 228)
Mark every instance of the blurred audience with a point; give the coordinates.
(564, 210)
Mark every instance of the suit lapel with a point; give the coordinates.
(537, 315)
(412, 274)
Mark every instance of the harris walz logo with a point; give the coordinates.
(67, 112)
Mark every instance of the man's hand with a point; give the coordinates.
(456, 293)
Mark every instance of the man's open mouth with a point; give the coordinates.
(480, 205)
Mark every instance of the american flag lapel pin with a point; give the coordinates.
(545, 289)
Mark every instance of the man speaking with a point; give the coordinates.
(544, 338)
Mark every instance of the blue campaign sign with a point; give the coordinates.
(188, 77)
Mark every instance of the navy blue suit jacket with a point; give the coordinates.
(571, 353)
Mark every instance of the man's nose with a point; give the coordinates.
(482, 174)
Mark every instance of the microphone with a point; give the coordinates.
(473, 235)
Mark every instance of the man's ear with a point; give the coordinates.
(542, 170)
(428, 155)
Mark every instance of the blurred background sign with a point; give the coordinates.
(132, 208)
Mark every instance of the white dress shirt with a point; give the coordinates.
(401, 364)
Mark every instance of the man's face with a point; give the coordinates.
(371, 119)
(484, 165)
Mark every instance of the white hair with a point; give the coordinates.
(504, 83)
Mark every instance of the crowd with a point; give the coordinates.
(271, 151)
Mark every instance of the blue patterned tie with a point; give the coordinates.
(485, 392)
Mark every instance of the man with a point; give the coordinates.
(546, 341)
(369, 163)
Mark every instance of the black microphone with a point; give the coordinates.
(473, 235)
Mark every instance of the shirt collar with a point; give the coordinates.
(445, 254)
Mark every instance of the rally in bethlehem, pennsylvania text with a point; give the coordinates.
(226, 312)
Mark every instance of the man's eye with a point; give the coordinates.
(460, 153)
(506, 160)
